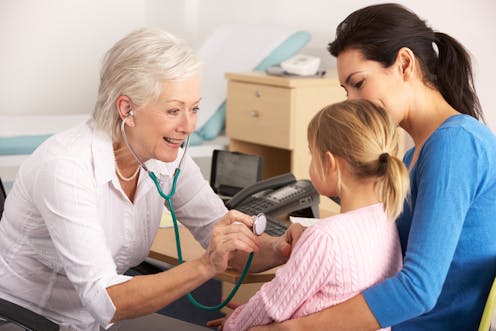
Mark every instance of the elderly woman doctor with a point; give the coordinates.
(82, 209)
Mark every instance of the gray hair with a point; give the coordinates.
(136, 66)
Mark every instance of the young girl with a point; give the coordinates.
(354, 156)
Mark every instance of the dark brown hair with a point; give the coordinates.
(380, 31)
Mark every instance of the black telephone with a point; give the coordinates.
(276, 196)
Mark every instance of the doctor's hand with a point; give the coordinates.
(231, 233)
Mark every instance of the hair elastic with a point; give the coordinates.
(383, 158)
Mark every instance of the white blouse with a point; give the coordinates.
(68, 230)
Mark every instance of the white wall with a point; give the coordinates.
(51, 49)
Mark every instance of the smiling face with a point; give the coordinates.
(160, 127)
(366, 79)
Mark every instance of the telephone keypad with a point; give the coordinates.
(275, 228)
(254, 205)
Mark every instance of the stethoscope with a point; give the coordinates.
(259, 221)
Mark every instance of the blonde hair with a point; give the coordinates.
(365, 136)
(136, 66)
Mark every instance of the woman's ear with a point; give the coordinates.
(405, 61)
(125, 109)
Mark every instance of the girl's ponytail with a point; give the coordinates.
(395, 183)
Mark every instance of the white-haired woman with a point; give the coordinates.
(82, 210)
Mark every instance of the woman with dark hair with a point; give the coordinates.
(387, 54)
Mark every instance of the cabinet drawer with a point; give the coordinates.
(259, 114)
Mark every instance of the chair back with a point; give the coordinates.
(24, 318)
(3, 196)
(489, 308)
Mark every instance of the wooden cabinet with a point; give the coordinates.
(268, 116)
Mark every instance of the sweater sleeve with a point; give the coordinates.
(446, 178)
(306, 271)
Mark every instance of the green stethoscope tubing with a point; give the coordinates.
(168, 198)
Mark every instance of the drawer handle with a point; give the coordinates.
(257, 94)
(254, 113)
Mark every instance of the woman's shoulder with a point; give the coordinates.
(78, 140)
(459, 147)
(68, 141)
(75, 145)
(463, 127)
(462, 133)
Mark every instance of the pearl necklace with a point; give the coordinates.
(124, 178)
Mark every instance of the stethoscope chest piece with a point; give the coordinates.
(259, 224)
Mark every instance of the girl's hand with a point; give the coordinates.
(287, 241)
(232, 232)
(219, 323)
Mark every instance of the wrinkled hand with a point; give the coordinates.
(232, 232)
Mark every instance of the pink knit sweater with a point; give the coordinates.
(334, 260)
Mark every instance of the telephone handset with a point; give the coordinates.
(276, 196)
